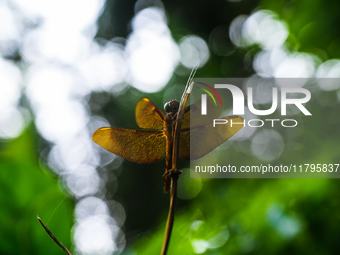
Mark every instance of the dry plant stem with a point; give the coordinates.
(171, 215)
(174, 173)
(54, 238)
(178, 129)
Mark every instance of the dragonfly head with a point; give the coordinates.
(171, 106)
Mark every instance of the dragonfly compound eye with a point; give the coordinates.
(171, 106)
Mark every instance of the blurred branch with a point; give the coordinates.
(54, 238)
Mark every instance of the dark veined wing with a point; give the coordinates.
(139, 146)
(148, 115)
(205, 137)
(193, 113)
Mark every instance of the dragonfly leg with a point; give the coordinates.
(171, 172)
(168, 175)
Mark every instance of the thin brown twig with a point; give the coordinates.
(171, 214)
(54, 238)
(174, 174)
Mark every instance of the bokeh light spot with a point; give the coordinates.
(188, 187)
(267, 145)
(194, 51)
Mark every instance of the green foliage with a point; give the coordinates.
(314, 24)
(28, 191)
(257, 217)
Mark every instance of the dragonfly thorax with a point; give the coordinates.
(171, 106)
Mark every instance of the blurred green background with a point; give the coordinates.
(70, 67)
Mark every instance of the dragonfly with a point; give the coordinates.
(154, 141)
